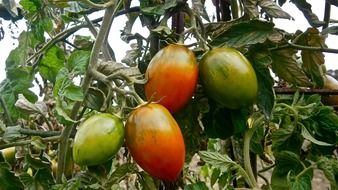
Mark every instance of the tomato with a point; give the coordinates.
(155, 141)
(98, 139)
(9, 154)
(228, 78)
(172, 77)
(332, 84)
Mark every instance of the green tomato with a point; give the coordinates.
(98, 139)
(9, 154)
(228, 78)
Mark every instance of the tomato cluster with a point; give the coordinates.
(151, 133)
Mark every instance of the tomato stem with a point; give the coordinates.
(246, 154)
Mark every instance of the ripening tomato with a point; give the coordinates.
(228, 78)
(155, 141)
(332, 84)
(98, 139)
(172, 77)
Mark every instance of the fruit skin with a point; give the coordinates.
(155, 141)
(332, 84)
(228, 78)
(172, 77)
(9, 154)
(98, 139)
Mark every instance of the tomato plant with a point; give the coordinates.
(228, 77)
(172, 77)
(98, 139)
(234, 101)
(155, 141)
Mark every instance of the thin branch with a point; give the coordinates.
(64, 145)
(99, 6)
(305, 91)
(327, 13)
(300, 47)
(25, 142)
(4, 106)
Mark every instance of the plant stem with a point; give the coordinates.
(39, 133)
(25, 142)
(300, 47)
(246, 154)
(4, 106)
(64, 145)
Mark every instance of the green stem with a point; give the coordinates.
(64, 145)
(4, 106)
(306, 169)
(25, 142)
(246, 156)
(39, 133)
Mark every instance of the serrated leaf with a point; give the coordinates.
(302, 182)
(273, 10)
(95, 99)
(61, 115)
(196, 186)
(156, 7)
(286, 138)
(286, 162)
(199, 8)
(261, 61)
(244, 33)
(305, 7)
(73, 92)
(285, 66)
(51, 63)
(31, 6)
(121, 172)
(306, 134)
(216, 159)
(251, 8)
(36, 141)
(313, 60)
(78, 61)
(12, 133)
(132, 55)
(146, 182)
(8, 180)
(330, 169)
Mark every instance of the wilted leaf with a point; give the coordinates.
(132, 55)
(313, 60)
(330, 30)
(37, 142)
(199, 8)
(29, 108)
(273, 10)
(251, 8)
(122, 172)
(286, 67)
(94, 99)
(244, 33)
(51, 63)
(12, 133)
(305, 7)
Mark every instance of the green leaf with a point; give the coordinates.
(306, 134)
(244, 33)
(95, 99)
(286, 67)
(83, 42)
(42, 179)
(273, 10)
(214, 176)
(187, 119)
(286, 162)
(330, 168)
(8, 180)
(287, 138)
(121, 172)
(31, 6)
(36, 163)
(196, 186)
(78, 61)
(62, 80)
(73, 92)
(51, 63)
(216, 159)
(256, 144)
(61, 115)
(146, 182)
(156, 7)
(261, 61)
(302, 182)
(37, 142)
(251, 8)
